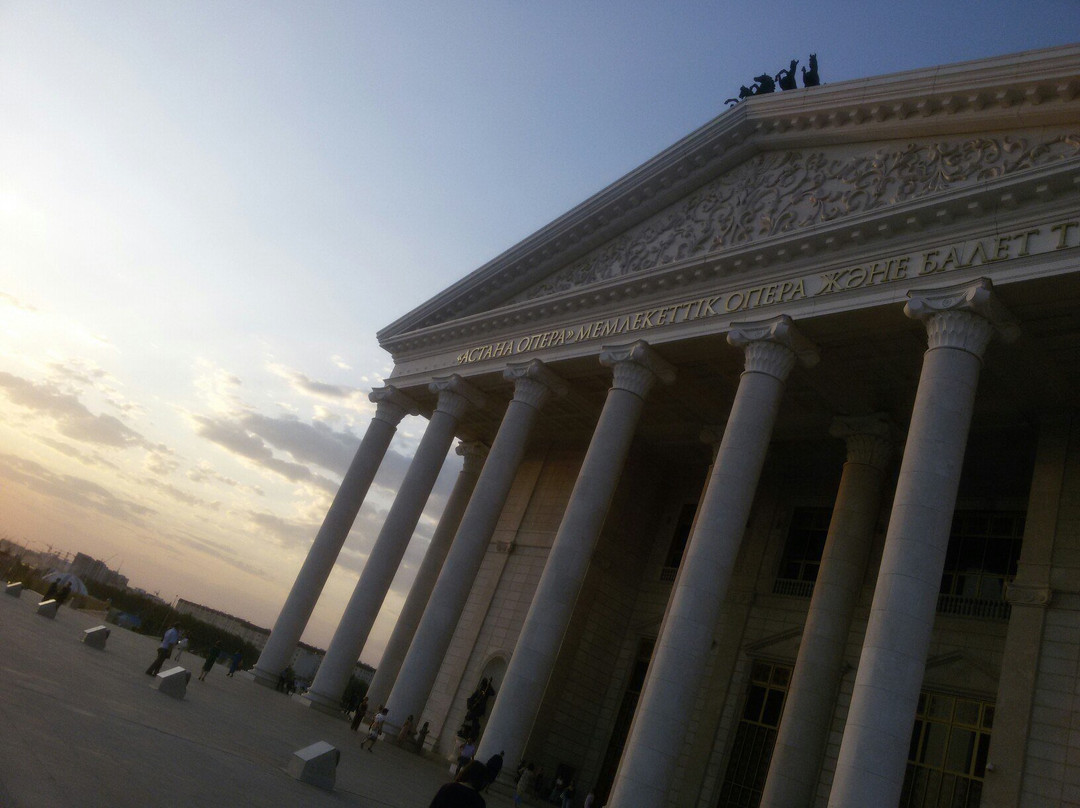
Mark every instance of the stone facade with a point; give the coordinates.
(885, 266)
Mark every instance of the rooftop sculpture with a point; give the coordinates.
(786, 78)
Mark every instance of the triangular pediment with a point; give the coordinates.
(786, 164)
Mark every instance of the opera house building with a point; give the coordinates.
(771, 481)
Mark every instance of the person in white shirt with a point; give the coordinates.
(171, 638)
(375, 729)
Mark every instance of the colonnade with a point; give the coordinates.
(870, 769)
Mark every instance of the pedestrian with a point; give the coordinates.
(211, 658)
(421, 736)
(465, 754)
(50, 593)
(524, 783)
(181, 646)
(375, 729)
(358, 716)
(567, 796)
(406, 730)
(234, 662)
(464, 792)
(63, 595)
(494, 766)
(168, 640)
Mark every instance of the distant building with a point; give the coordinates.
(91, 569)
(248, 632)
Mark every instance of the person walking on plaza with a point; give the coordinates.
(234, 662)
(358, 716)
(524, 783)
(464, 792)
(63, 595)
(494, 766)
(181, 646)
(375, 729)
(171, 638)
(50, 593)
(406, 730)
(211, 658)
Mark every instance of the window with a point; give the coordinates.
(947, 758)
(678, 541)
(755, 736)
(802, 551)
(984, 548)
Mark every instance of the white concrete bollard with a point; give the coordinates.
(47, 608)
(315, 764)
(95, 637)
(173, 682)
(14, 588)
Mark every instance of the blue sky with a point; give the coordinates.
(207, 210)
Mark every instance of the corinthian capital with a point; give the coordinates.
(636, 367)
(391, 405)
(455, 394)
(534, 383)
(772, 346)
(869, 438)
(474, 454)
(963, 316)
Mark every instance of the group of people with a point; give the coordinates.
(174, 638)
(530, 780)
(58, 593)
(375, 728)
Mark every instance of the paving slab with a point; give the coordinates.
(86, 728)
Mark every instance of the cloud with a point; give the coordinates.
(71, 451)
(289, 533)
(307, 443)
(72, 490)
(304, 384)
(205, 473)
(179, 494)
(70, 415)
(341, 363)
(235, 438)
(14, 302)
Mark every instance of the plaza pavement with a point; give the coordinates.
(83, 728)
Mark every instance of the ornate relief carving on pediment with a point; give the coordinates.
(778, 192)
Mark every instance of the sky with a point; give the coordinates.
(207, 210)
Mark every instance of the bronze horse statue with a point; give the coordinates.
(810, 78)
(787, 78)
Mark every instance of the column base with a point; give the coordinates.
(320, 703)
(265, 679)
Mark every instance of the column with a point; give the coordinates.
(636, 368)
(474, 454)
(533, 385)
(674, 681)
(873, 754)
(391, 407)
(808, 711)
(363, 607)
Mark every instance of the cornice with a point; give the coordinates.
(994, 200)
(1034, 88)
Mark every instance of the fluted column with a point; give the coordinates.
(473, 453)
(811, 699)
(533, 385)
(636, 368)
(873, 754)
(385, 557)
(391, 407)
(673, 685)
